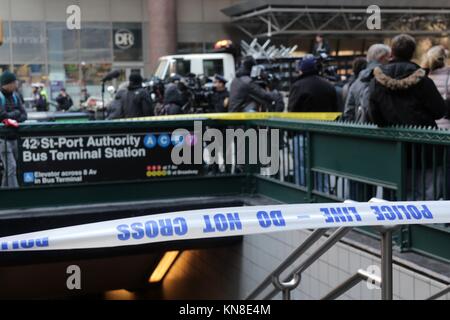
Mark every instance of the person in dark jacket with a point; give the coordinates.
(311, 93)
(84, 96)
(401, 93)
(64, 100)
(357, 102)
(245, 95)
(11, 108)
(174, 98)
(132, 102)
(220, 96)
(321, 46)
(39, 100)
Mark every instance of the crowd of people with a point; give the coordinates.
(386, 88)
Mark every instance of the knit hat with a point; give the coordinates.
(135, 79)
(7, 78)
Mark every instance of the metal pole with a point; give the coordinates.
(331, 241)
(386, 264)
(350, 283)
(287, 294)
(312, 238)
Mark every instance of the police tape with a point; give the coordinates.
(224, 222)
(324, 116)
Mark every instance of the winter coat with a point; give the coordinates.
(441, 78)
(244, 93)
(312, 93)
(357, 102)
(12, 108)
(219, 99)
(402, 94)
(64, 102)
(132, 102)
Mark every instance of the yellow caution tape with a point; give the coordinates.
(326, 116)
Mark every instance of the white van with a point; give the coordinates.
(206, 64)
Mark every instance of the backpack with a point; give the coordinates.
(3, 99)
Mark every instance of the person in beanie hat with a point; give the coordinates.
(7, 77)
(11, 113)
(311, 92)
(308, 65)
(132, 102)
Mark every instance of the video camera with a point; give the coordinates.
(325, 67)
(198, 91)
(264, 76)
(156, 88)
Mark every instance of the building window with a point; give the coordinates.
(63, 43)
(92, 75)
(96, 42)
(67, 76)
(28, 41)
(4, 67)
(5, 54)
(27, 74)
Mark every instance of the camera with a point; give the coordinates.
(197, 91)
(264, 76)
(156, 88)
(325, 67)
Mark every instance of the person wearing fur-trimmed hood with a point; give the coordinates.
(401, 92)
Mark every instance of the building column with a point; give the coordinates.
(162, 30)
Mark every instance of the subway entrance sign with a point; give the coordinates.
(54, 160)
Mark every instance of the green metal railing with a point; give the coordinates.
(320, 162)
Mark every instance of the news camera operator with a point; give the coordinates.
(220, 96)
(248, 96)
(311, 92)
(174, 97)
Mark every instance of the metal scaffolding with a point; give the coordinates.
(281, 21)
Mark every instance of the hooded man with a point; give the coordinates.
(132, 102)
(401, 93)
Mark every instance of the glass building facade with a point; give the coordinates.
(49, 53)
(114, 34)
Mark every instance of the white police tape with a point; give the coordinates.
(221, 222)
